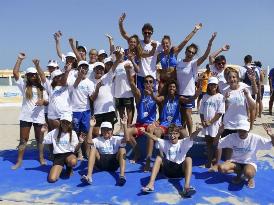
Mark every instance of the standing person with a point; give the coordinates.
(260, 90)
(168, 57)
(245, 146)
(65, 144)
(203, 80)
(211, 110)
(32, 112)
(187, 69)
(271, 85)
(175, 163)
(102, 55)
(107, 152)
(147, 64)
(79, 51)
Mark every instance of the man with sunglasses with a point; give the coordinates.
(147, 64)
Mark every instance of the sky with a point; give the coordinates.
(28, 26)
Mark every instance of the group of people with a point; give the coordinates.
(79, 104)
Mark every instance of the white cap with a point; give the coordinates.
(55, 73)
(106, 125)
(71, 54)
(31, 70)
(213, 80)
(66, 116)
(243, 125)
(52, 63)
(102, 52)
(121, 49)
(106, 60)
(99, 64)
(83, 63)
(84, 47)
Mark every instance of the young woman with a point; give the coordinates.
(211, 110)
(32, 112)
(65, 144)
(187, 70)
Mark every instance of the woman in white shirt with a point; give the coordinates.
(32, 112)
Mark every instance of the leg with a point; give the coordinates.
(93, 155)
(271, 102)
(155, 171)
(187, 168)
(229, 167)
(150, 144)
(137, 153)
(24, 137)
(210, 150)
(129, 110)
(54, 173)
(249, 172)
(121, 157)
(188, 119)
(39, 139)
(71, 161)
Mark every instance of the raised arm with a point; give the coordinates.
(150, 135)
(204, 57)
(41, 74)
(151, 52)
(57, 37)
(80, 76)
(74, 49)
(178, 48)
(121, 27)
(135, 91)
(195, 133)
(268, 130)
(16, 68)
(92, 123)
(216, 53)
(111, 44)
(251, 103)
(136, 67)
(124, 124)
(68, 68)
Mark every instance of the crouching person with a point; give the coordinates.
(174, 164)
(245, 146)
(107, 152)
(65, 144)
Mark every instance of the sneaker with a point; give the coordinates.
(86, 180)
(188, 192)
(122, 180)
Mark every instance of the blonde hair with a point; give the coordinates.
(39, 87)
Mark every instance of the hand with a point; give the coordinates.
(36, 62)
(128, 66)
(122, 18)
(21, 56)
(245, 91)
(221, 129)
(71, 41)
(131, 56)
(68, 67)
(154, 44)
(198, 26)
(109, 36)
(142, 129)
(251, 74)
(81, 73)
(99, 84)
(92, 121)
(82, 138)
(44, 128)
(227, 95)
(124, 120)
(268, 129)
(198, 91)
(149, 91)
(213, 36)
(57, 35)
(226, 47)
(40, 102)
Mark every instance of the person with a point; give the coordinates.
(79, 51)
(174, 164)
(245, 146)
(35, 99)
(217, 64)
(65, 143)
(107, 151)
(203, 80)
(186, 70)
(260, 95)
(151, 48)
(102, 55)
(168, 57)
(271, 85)
(211, 110)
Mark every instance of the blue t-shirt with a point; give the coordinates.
(271, 75)
(169, 60)
(146, 110)
(171, 113)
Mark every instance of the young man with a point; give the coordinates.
(245, 146)
(271, 85)
(107, 152)
(175, 163)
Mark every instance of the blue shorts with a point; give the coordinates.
(80, 121)
(188, 105)
(140, 83)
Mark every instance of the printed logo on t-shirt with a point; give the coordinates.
(241, 149)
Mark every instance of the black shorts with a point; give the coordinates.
(227, 132)
(29, 124)
(107, 162)
(172, 169)
(124, 102)
(105, 117)
(60, 159)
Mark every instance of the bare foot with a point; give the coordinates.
(251, 183)
(17, 165)
(208, 165)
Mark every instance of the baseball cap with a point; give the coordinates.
(71, 54)
(106, 60)
(121, 50)
(66, 116)
(106, 125)
(52, 63)
(213, 80)
(99, 64)
(102, 52)
(55, 73)
(243, 125)
(31, 70)
(83, 47)
(83, 63)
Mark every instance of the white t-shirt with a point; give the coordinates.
(80, 95)
(220, 75)
(148, 65)
(121, 84)
(237, 107)
(30, 112)
(244, 150)
(63, 146)
(90, 73)
(104, 102)
(175, 152)
(186, 75)
(59, 100)
(210, 105)
(108, 146)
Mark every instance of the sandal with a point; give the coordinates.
(86, 180)
(122, 180)
(147, 189)
(188, 192)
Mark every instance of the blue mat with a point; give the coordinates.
(29, 184)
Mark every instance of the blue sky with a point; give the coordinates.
(28, 26)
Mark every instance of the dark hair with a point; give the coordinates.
(173, 128)
(258, 64)
(60, 131)
(207, 89)
(147, 26)
(248, 59)
(220, 58)
(193, 45)
(148, 76)
(167, 37)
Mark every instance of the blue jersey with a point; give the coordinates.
(171, 113)
(169, 60)
(146, 110)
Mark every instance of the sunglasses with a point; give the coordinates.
(189, 51)
(148, 81)
(148, 33)
(221, 63)
(31, 74)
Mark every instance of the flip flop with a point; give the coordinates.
(86, 180)
(188, 192)
(147, 189)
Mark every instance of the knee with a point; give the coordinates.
(72, 162)
(158, 159)
(221, 168)
(158, 132)
(52, 179)
(249, 173)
